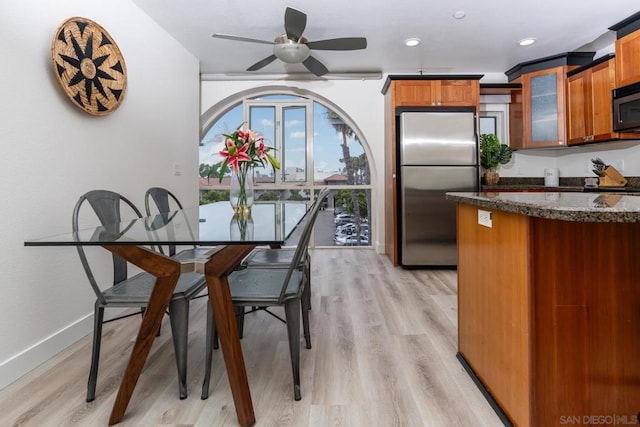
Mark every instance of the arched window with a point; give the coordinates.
(316, 147)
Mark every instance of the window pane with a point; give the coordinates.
(338, 156)
(262, 120)
(268, 195)
(488, 125)
(213, 142)
(339, 224)
(294, 143)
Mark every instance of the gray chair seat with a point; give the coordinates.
(137, 289)
(191, 254)
(263, 286)
(269, 258)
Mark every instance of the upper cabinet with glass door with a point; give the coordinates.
(538, 112)
(544, 126)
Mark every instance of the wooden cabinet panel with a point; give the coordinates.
(579, 123)
(436, 93)
(602, 83)
(544, 108)
(407, 93)
(390, 196)
(461, 93)
(628, 59)
(585, 325)
(516, 119)
(493, 319)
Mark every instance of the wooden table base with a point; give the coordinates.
(167, 272)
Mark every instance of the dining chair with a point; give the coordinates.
(132, 291)
(165, 202)
(265, 257)
(261, 288)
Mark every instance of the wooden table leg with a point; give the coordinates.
(167, 272)
(216, 270)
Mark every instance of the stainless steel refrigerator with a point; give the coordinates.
(437, 153)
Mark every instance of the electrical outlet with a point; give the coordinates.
(588, 166)
(484, 218)
(620, 165)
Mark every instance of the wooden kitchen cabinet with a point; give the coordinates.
(552, 333)
(589, 114)
(628, 59)
(416, 92)
(543, 108)
(538, 114)
(436, 93)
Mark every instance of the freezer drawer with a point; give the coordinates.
(438, 138)
(428, 219)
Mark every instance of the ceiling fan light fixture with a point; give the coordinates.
(291, 52)
(412, 42)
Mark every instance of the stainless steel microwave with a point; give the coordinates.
(626, 108)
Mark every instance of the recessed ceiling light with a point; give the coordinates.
(412, 42)
(527, 42)
(459, 14)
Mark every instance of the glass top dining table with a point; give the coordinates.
(215, 224)
(268, 223)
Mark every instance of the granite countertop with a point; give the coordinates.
(567, 206)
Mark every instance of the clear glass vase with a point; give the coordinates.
(241, 190)
(241, 226)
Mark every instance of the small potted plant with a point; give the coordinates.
(492, 155)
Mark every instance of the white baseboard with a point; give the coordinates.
(32, 357)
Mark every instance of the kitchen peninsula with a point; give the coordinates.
(549, 304)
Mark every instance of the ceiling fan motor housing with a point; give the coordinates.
(290, 51)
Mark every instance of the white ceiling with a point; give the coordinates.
(485, 41)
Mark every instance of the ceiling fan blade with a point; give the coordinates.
(294, 23)
(347, 43)
(239, 38)
(315, 66)
(262, 63)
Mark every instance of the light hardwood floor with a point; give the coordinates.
(384, 344)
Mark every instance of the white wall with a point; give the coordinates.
(361, 100)
(52, 152)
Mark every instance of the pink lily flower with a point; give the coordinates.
(262, 150)
(235, 154)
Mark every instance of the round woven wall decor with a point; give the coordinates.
(89, 66)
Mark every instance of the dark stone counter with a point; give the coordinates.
(566, 206)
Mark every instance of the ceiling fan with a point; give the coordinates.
(292, 48)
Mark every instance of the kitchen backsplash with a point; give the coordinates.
(575, 161)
